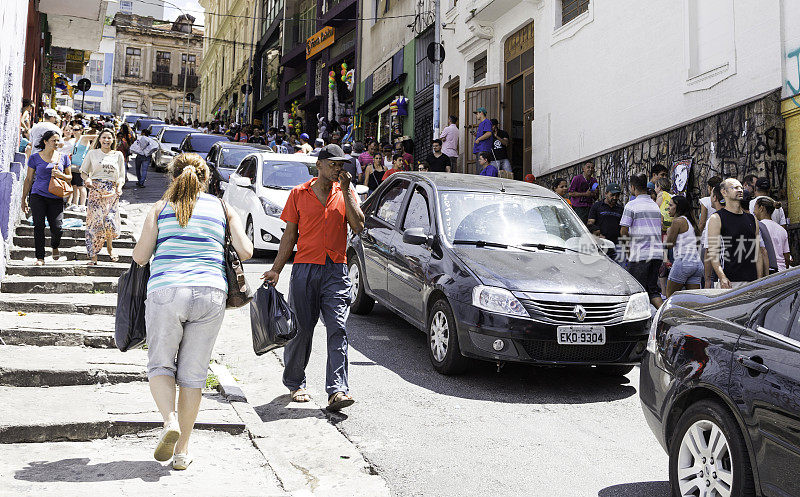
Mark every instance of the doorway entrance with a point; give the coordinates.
(518, 56)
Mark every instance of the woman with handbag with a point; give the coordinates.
(103, 173)
(185, 233)
(47, 182)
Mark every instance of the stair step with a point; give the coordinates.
(55, 366)
(33, 414)
(74, 253)
(61, 303)
(69, 242)
(66, 268)
(62, 284)
(42, 329)
(25, 229)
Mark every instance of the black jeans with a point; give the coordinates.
(52, 209)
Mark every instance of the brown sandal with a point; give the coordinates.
(300, 395)
(339, 401)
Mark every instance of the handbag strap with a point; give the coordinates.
(227, 224)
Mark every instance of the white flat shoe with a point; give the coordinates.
(181, 461)
(166, 442)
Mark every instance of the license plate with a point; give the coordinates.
(581, 335)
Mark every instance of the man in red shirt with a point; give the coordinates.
(317, 214)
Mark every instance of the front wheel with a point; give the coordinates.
(445, 353)
(360, 302)
(708, 455)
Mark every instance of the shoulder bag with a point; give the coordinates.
(239, 292)
(59, 187)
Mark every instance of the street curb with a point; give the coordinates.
(10, 377)
(60, 338)
(293, 479)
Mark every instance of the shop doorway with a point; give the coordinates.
(518, 56)
(482, 96)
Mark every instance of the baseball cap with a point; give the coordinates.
(347, 148)
(762, 184)
(333, 152)
(50, 113)
(480, 109)
(613, 188)
(304, 136)
(319, 142)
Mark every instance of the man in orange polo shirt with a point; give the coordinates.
(317, 214)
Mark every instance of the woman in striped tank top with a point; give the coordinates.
(184, 233)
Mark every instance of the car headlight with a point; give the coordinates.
(652, 345)
(638, 307)
(497, 300)
(271, 208)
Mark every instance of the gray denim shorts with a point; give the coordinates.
(182, 326)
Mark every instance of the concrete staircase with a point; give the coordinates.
(67, 391)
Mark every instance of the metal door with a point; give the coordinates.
(482, 96)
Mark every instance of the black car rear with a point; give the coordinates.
(720, 388)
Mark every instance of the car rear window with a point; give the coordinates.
(232, 157)
(286, 175)
(174, 135)
(203, 143)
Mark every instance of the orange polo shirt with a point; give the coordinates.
(322, 229)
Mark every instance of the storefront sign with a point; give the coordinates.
(59, 55)
(382, 76)
(75, 61)
(318, 41)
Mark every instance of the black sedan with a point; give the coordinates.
(720, 388)
(224, 157)
(199, 143)
(498, 270)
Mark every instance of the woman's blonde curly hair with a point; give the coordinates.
(190, 176)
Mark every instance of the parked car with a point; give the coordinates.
(156, 128)
(720, 388)
(144, 122)
(199, 143)
(258, 190)
(497, 270)
(132, 117)
(224, 157)
(168, 137)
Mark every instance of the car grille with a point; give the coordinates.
(546, 350)
(564, 312)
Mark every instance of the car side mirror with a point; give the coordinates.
(415, 236)
(606, 245)
(240, 181)
(176, 149)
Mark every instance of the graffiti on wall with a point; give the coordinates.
(749, 139)
(795, 91)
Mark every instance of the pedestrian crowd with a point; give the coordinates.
(740, 235)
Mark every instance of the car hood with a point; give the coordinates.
(548, 272)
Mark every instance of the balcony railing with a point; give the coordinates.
(162, 78)
(191, 82)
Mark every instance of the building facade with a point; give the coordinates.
(150, 61)
(230, 37)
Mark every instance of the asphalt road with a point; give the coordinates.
(521, 431)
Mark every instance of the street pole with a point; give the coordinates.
(83, 101)
(248, 77)
(437, 30)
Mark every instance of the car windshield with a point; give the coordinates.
(504, 219)
(202, 143)
(287, 175)
(174, 135)
(232, 157)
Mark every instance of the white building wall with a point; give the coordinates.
(623, 70)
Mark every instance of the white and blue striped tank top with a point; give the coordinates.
(190, 256)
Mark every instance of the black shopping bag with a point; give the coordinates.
(129, 326)
(271, 320)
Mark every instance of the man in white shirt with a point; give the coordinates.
(449, 137)
(764, 210)
(49, 123)
(143, 147)
(761, 191)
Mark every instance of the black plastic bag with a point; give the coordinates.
(272, 321)
(129, 325)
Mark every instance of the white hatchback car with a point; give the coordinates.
(259, 188)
